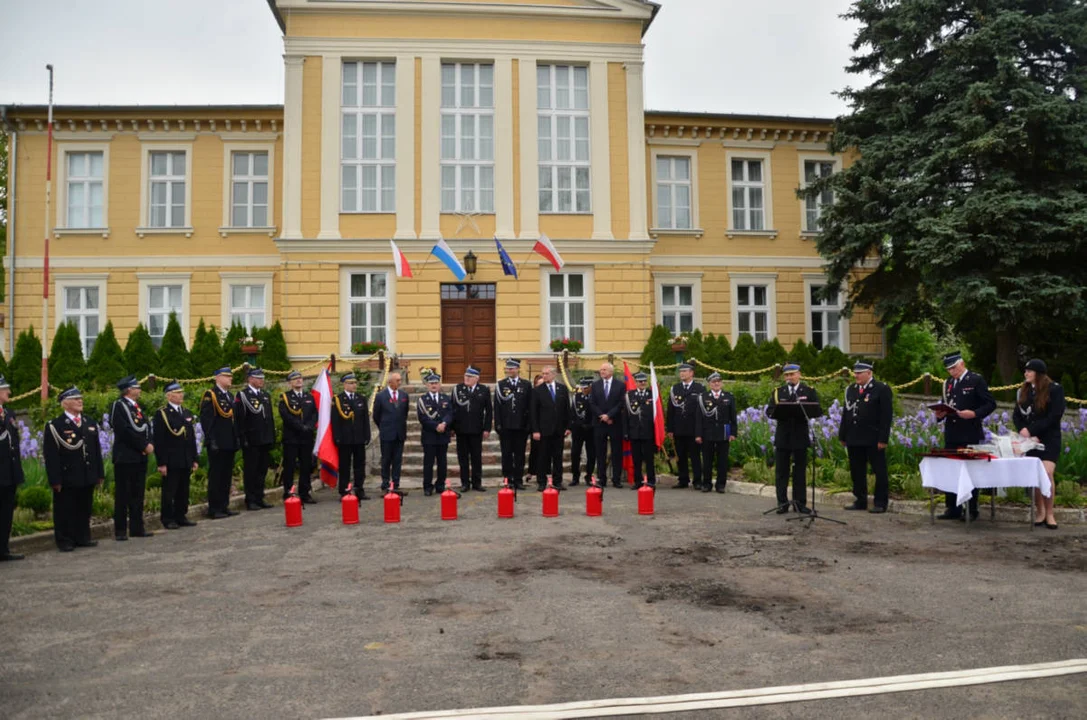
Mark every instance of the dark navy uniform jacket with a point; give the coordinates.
(970, 393)
(868, 413)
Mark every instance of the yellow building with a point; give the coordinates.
(416, 121)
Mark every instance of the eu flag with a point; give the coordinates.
(508, 268)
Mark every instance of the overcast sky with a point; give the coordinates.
(776, 57)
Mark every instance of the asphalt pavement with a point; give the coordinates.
(244, 618)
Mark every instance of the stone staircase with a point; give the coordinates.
(411, 470)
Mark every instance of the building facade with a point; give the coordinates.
(418, 121)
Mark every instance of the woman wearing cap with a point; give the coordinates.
(1038, 411)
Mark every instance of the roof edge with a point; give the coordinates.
(741, 116)
(17, 108)
(278, 15)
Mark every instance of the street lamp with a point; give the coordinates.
(470, 263)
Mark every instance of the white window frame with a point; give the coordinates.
(736, 279)
(229, 279)
(811, 280)
(588, 284)
(147, 280)
(802, 159)
(346, 272)
(767, 192)
(64, 281)
(229, 148)
(146, 149)
(691, 153)
(552, 164)
(62, 226)
(459, 113)
(692, 279)
(382, 113)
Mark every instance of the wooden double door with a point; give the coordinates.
(468, 331)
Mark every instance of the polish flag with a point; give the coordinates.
(658, 409)
(328, 456)
(628, 456)
(545, 248)
(403, 269)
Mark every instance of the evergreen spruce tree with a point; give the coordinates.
(232, 349)
(803, 354)
(140, 356)
(696, 350)
(174, 359)
(26, 362)
(969, 188)
(771, 353)
(107, 362)
(273, 356)
(207, 351)
(4, 370)
(658, 348)
(745, 355)
(66, 364)
(829, 359)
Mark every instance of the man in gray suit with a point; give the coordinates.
(391, 418)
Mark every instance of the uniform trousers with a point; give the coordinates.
(470, 458)
(301, 457)
(129, 486)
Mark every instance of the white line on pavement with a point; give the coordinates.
(758, 696)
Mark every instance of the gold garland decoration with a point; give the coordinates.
(381, 385)
(565, 378)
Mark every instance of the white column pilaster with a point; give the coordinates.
(292, 147)
(530, 180)
(331, 71)
(405, 147)
(503, 150)
(636, 150)
(431, 110)
(600, 142)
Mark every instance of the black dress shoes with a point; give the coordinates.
(877, 509)
(120, 538)
(263, 505)
(575, 482)
(720, 490)
(142, 533)
(10, 556)
(230, 513)
(220, 515)
(783, 508)
(185, 522)
(465, 488)
(804, 510)
(856, 506)
(66, 547)
(309, 500)
(949, 515)
(253, 506)
(87, 543)
(171, 526)
(428, 492)
(682, 486)
(707, 488)
(479, 488)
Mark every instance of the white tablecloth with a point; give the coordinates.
(963, 476)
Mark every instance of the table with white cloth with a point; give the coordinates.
(962, 477)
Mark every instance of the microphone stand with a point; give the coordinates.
(814, 515)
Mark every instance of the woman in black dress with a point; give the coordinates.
(1039, 408)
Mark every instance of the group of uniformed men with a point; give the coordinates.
(599, 416)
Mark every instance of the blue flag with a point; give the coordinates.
(508, 268)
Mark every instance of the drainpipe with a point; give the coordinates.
(12, 158)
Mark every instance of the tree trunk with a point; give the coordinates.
(1007, 354)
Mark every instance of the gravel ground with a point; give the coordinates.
(245, 618)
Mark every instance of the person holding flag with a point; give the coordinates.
(328, 456)
(628, 457)
(351, 433)
(639, 429)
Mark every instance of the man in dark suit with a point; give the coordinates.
(511, 401)
(391, 418)
(581, 433)
(435, 411)
(640, 430)
(131, 447)
(175, 456)
(716, 429)
(791, 442)
(298, 411)
(11, 471)
(350, 420)
(549, 418)
(606, 401)
(865, 432)
(257, 432)
(680, 424)
(221, 436)
(73, 466)
(472, 424)
(968, 393)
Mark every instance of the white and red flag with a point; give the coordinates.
(658, 409)
(328, 456)
(545, 248)
(403, 269)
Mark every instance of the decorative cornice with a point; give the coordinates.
(380, 246)
(151, 128)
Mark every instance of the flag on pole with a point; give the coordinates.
(628, 456)
(545, 248)
(403, 269)
(508, 268)
(443, 252)
(324, 448)
(658, 409)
